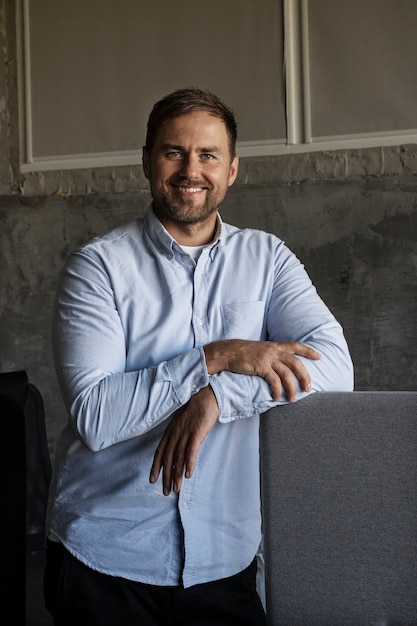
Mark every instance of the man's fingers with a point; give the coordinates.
(274, 381)
(298, 349)
(177, 472)
(168, 478)
(288, 382)
(176, 458)
(300, 372)
(286, 370)
(157, 463)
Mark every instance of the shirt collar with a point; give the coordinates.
(167, 244)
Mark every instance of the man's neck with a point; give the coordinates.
(190, 234)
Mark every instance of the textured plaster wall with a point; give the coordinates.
(351, 216)
(357, 239)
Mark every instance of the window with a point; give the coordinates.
(93, 69)
(301, 75)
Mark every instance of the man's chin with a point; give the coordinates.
(186, 212)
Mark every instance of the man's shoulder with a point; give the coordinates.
(124, 236)
(249, 233)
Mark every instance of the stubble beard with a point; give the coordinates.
(184, 212)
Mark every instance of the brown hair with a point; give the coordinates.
(187, 100)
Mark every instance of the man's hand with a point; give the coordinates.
(276, 362)
(177, 451)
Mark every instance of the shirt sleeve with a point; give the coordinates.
(295, 313)
(106, 404)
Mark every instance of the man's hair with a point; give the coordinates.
(188, 100)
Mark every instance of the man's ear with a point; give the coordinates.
(234, 166)
(145, 162)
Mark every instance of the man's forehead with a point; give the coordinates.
(205, 129)
(193, 118)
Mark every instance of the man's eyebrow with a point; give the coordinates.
(210, 149)
(173, 146)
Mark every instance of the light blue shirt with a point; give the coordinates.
(132, 314)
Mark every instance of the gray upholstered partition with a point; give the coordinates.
(339, 482)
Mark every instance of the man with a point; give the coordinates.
(171, 335)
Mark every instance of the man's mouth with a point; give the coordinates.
(185, 186)
(190, 189)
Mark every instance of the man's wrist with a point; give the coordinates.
(214, 355)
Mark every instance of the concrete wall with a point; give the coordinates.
(351, 216)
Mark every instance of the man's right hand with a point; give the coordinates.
(276, 362)
(176, 454)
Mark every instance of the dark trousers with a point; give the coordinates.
(76, 595)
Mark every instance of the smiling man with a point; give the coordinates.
(172, 335)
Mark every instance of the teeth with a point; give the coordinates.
(190, 189)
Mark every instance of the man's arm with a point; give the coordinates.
(276, 363)
(295, 314)
(106, 403)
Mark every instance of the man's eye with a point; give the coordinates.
(173, 154)
(207, 157)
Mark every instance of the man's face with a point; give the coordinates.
(190, 168)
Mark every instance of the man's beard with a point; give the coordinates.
(184, 211)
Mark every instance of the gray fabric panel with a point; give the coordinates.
(339, 479)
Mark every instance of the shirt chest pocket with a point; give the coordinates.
(243, 320)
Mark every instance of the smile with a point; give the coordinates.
(190, 189)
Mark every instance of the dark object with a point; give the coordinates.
(26, 471)
(339, 478)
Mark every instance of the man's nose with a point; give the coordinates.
(190, 167)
